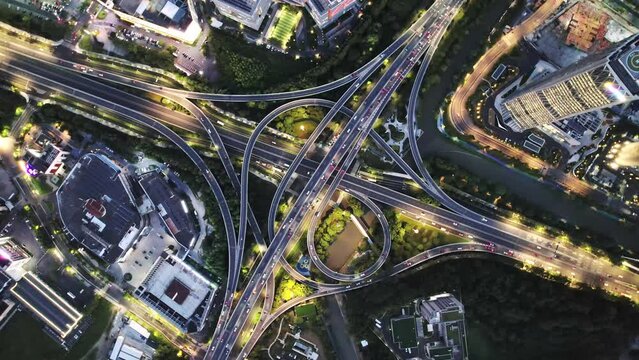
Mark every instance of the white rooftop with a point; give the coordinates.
(188, 287)
(142, 7)
(170, 10)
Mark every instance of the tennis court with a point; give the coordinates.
(287, 20)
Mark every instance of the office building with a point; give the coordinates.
(325, 12)
(596, 82)
(178, 292)
(249, 13)
(441, 308)
(445, 335)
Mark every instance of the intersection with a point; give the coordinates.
(322, 179)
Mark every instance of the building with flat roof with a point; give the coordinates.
(172, 18)
(12, 257)
(178, 292)
(325, 12)
(249, 13)
(432, 329)
(294, 347)
(46, 304)
(132, 342)
(125, 349)
(97, 207)
(441, 308)
(445, 335)
(598, 81)
(171, 207)
(49, 162)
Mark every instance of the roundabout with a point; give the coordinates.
(335, 275)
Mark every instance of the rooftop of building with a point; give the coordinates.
(443, 303)
(175, 288)
(160, 12)
(126, 348)
(171, 207)
(587, 26)
(97, 208)
(10, 251)
(49, 154)
(46, 304)
(246, 6)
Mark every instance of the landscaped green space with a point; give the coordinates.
(410, 237)
(18, 337)
(285, 25)
(102, 15)
(90, 43)
(517, 314)
(404, 332)
(40, 185)
(101, 316)
(287, 288)
(300, 122)
(328, 229)
(308, 311)
(246, 67)
(160, 58)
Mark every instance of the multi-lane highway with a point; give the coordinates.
(323, 178)
(345, 147)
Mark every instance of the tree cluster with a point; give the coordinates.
(33, 24)
(518, 314)
(159, 58)
(331, 226)
(409, 239)
(10, 102)
(288, 289)
(287, 121)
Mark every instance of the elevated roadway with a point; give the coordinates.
(345, 145)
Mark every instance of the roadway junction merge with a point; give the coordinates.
(25, 65)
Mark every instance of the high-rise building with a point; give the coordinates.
(598, 81)
(250, 13)
(324, 12)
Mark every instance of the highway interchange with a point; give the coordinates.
(26, 65)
